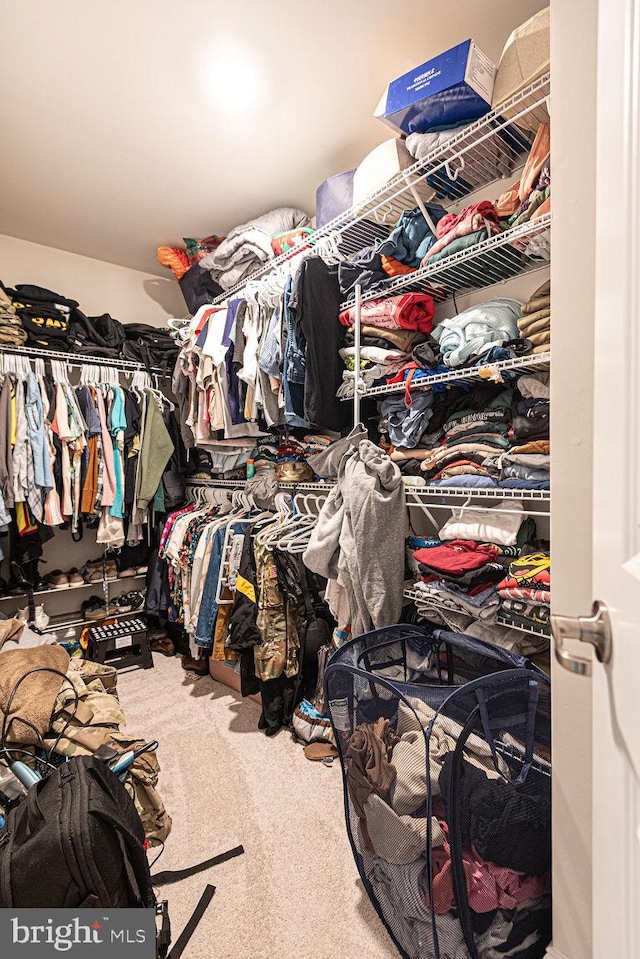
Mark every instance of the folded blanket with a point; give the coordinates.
(408, 311)
(248, 246)
(477, 328)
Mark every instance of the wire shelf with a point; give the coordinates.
(283, 487)
(514, 252)
(490, 149)
(519, 366)
(442, 494)
(534, 629)
(63, 590)
(75, 359)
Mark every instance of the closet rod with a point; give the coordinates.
(453, 508)
(73, 360)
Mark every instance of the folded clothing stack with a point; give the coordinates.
(265, 455)
(45, 316)
(372, 270)
(535, 322)
(407, 311)
(376, 365)
(482, 436)
(469, 437)
(526, 464)
(412, 237)
(525, 592)
(11, 330)
(462, 429)
(479, 217)
(460, 576)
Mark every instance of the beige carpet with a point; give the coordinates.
(296, 893)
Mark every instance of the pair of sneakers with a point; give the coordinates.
(94, 608)
(128, 602)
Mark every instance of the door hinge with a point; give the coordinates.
(594, 629)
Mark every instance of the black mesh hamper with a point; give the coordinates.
(444, 742)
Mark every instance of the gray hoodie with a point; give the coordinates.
(359, 539)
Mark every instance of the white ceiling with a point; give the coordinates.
(114, 137)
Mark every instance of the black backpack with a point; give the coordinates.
(76, 841)
(83, 807)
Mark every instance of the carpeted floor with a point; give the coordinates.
(296, 893)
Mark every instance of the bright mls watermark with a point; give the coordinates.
(78, 933)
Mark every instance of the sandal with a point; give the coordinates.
(321, 752)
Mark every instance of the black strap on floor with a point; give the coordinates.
(197, 914)
(174, 875)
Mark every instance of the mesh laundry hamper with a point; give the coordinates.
(444, 742)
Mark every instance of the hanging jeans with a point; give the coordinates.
(208, 605)
(294, 369)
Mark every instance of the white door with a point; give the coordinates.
(616, 572)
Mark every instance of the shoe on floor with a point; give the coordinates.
(56, 579)
(321, 752)
(199, 666)
(162, 645)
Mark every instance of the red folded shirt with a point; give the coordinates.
(409, 311)
(459, 556)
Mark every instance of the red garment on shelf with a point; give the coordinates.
(409, 311)
(479, 216)
(458, 556)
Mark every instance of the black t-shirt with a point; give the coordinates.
(315, 305)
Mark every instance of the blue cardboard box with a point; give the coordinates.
(452, 89)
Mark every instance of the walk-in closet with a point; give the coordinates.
(317, 568)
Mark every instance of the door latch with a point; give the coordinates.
(594, 629)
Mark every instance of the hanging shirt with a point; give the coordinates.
(117, 427)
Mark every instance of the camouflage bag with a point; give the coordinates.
(94, 724)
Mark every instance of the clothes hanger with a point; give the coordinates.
(290, 522)
(164, 397)
(283, 515)
(297, 540)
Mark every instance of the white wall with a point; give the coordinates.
(99, 287)
(573, 59)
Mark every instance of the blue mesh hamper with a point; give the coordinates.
(444, 742)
